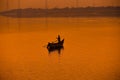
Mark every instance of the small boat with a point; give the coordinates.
(55, 46)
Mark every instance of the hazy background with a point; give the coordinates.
(55, 3)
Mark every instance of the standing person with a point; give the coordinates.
(58, 38)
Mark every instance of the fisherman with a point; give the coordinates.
(58, 38)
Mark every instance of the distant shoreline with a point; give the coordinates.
(63, 12)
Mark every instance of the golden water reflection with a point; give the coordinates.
(91, 49)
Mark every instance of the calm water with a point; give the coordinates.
(91, 49)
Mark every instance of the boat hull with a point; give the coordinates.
(55, 46)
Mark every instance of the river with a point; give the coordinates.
(91, 48)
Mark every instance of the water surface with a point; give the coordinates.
(91, 49)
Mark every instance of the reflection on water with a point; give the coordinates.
(91, 49)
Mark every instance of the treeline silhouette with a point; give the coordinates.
(64, 12)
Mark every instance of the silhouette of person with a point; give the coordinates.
(58, 38)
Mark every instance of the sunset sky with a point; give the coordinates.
(56, 3)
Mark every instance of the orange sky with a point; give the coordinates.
(57, 3)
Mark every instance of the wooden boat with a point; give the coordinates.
(55, 46)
